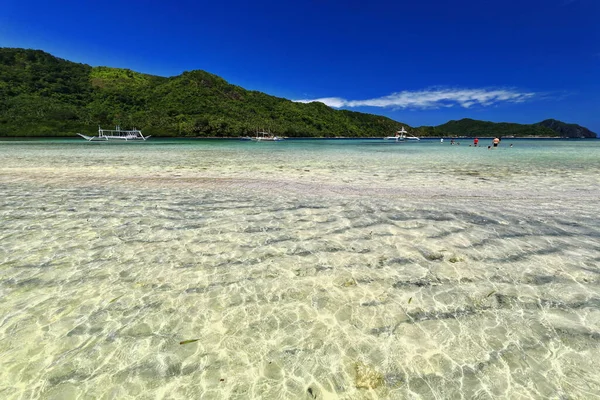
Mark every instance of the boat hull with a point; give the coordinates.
(112, 138)
(401, 136)
(266, 139)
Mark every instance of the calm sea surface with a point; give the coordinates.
(334, 269)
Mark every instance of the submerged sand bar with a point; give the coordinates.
(340, 269)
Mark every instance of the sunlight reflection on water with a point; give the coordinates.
(304, 269)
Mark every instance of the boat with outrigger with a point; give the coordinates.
(262, 136)
(116, 134)
(401, 136)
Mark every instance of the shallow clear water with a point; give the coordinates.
(304, 269)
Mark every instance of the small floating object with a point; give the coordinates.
(189, 341)
(409, 300)
(491, 293)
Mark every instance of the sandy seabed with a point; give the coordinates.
(299, 270)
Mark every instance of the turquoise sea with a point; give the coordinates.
(323, 269)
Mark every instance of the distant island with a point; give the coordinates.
(42, 95)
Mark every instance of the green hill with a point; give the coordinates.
(547, 128)
(567, 130)
(42, 95)
(471, 127)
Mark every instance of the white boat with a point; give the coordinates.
(115, 134)
(262, 136)
(401, 136)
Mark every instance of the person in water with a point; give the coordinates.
(495, 142)
(475, 142)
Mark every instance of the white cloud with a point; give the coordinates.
(432, 98)
(335, 102)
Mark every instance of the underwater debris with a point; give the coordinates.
(349, 282)
(189, 341)
(367, 377)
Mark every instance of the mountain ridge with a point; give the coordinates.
(43, 95)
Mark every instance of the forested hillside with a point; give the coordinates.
(42, 95)
(567, 130)
(471, 127)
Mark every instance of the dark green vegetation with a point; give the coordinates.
(567, 130)
(41, 95)
(472, 127)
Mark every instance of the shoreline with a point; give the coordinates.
(3, 138)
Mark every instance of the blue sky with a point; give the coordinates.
(420, 62)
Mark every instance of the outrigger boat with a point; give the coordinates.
(262, 136)
(115, 134)
(401, 136)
